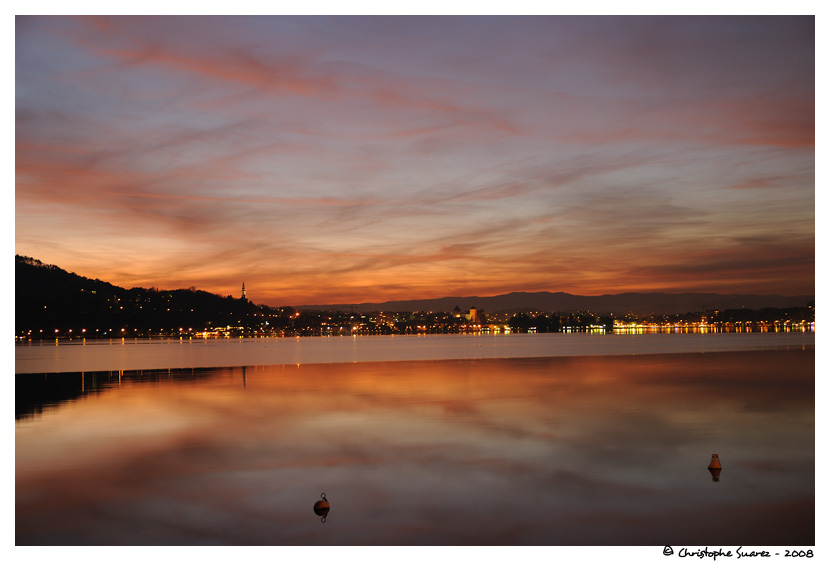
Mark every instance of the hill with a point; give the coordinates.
(49, 299)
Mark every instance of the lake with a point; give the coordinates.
(606, 441)
(81, 355)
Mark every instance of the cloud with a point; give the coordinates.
(511, 153)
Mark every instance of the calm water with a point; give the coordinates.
(144, 354)
(567, 450)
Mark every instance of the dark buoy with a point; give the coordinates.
(714, 468)
(321, 507)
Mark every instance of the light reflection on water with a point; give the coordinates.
(143, 354)
(549, 451)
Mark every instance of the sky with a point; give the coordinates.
(350, 159)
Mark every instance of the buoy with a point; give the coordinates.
(321, 507)
(714, 468)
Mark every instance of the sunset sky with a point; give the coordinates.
(364, 159)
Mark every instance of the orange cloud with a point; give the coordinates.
(510, 154)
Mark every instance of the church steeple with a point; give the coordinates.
(244, 294)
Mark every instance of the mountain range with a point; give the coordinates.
(617, 304)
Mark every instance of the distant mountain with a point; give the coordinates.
(618, 304)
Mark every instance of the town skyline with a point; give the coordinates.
(326, 160)
(540, 301)
(52, 303)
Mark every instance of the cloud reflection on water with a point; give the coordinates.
(550, 451)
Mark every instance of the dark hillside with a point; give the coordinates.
(48, 298)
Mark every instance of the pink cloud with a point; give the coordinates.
(511, 154)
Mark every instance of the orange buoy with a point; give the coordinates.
(321, 507)
(714, 468)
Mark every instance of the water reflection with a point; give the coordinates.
(36, 393)
(606, 449)
(156, 355)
